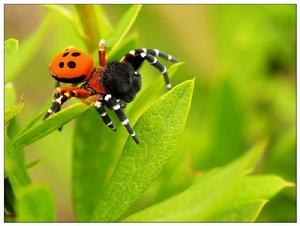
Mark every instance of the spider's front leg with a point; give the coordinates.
(62, 94)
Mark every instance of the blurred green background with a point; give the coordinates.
(244, 61)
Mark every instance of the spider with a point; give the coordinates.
(110, 85)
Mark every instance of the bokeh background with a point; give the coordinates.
(244, 60)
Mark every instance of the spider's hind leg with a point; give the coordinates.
(137, 57)
(156, 52)
(163, 69)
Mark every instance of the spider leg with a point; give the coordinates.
(62, 94)
(116, 107)
(58, 100)
(156, 52)
(155, 63)
(57, 84)
(137, 57)
(106, 119)
(135, 60)
(56, 95)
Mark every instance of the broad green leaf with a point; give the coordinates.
(53, 123)
(12, 112)
(10, 95)
(285, 208)
(10, 46)
(247, 200)
(15, 63)
(246, 212)
(117, 35)
(140, 164)
(35, 204)
(15, 168)
(205, 197)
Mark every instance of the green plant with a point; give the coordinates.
(109, 175)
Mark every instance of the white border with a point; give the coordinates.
(129, 2)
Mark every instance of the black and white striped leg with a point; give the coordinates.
(156, 52)
(58, 100)
(106, 119)
(56, 95)
(114, 105)
(153, 61)
(137, 56)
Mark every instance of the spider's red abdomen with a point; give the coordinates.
(71, 66)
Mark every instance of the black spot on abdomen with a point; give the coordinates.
(65, 54)
(71, 64)
(61, 64)
(76, 54)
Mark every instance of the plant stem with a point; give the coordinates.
(87, 15)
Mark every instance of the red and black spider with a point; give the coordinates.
(112, 85)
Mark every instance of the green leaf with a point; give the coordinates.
(12, 112)
(246, 212)
(35, 204)
(10, 46)
(247, 200)
(53, 123)
(14, 167)
(117, 35)
(205, 197)
(15, 63)
(10, 95)
(140, 164)
(37, 118)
